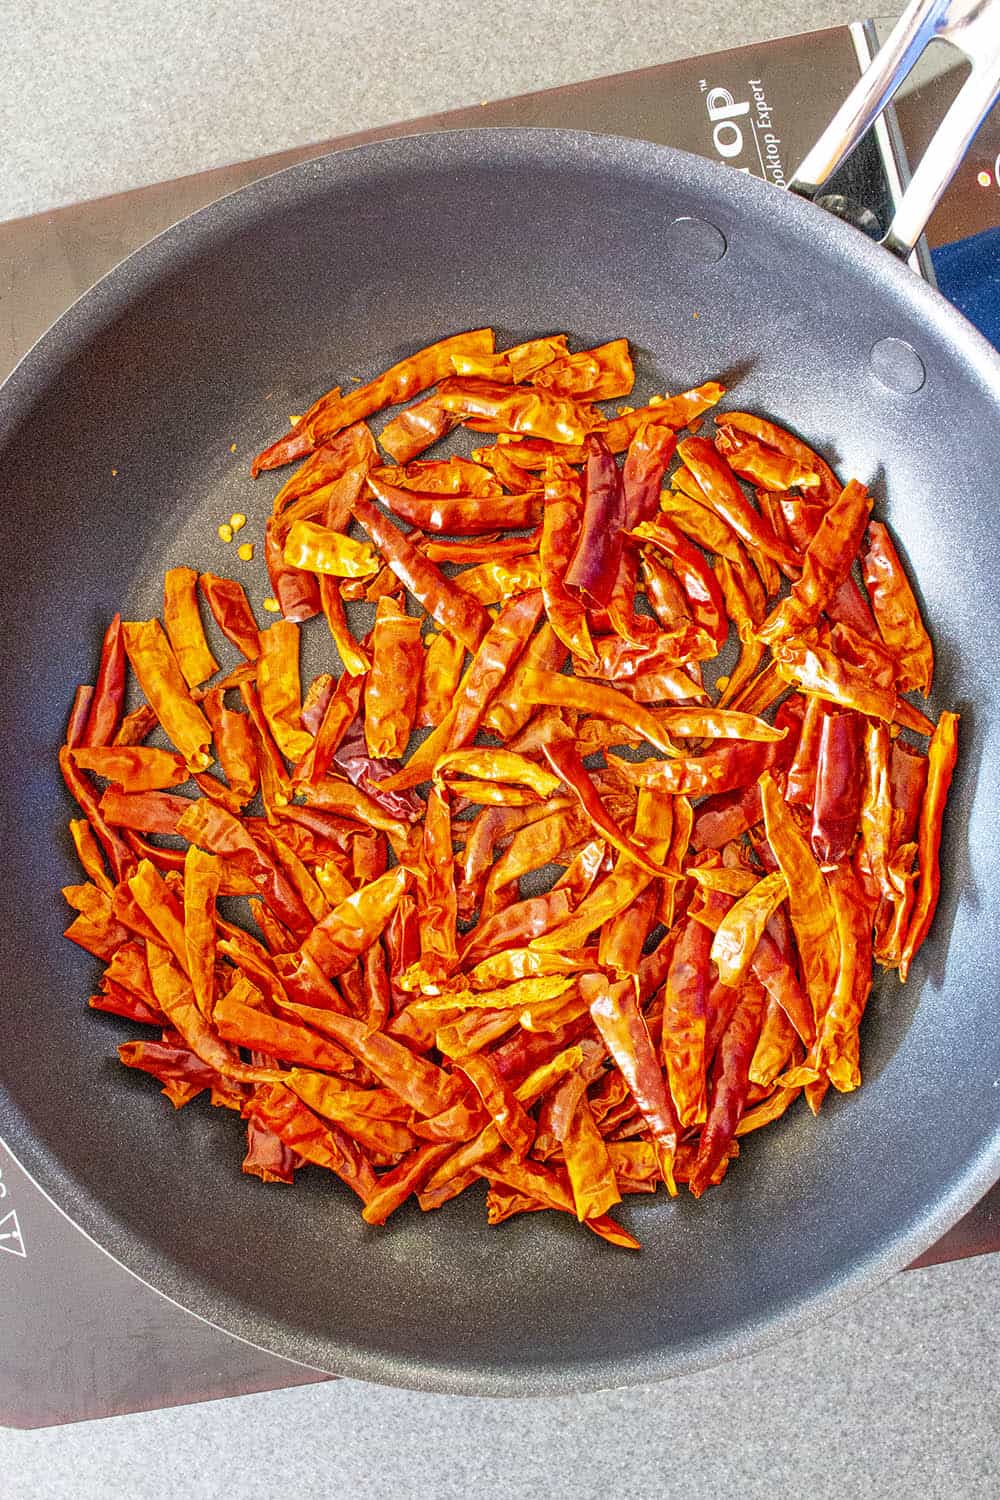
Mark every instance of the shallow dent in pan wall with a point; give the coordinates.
(898, 366)
(695, 242)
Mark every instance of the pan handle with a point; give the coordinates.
(973, 27)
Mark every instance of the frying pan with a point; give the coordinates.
(210, 336)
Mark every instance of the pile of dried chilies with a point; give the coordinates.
(406, 1014)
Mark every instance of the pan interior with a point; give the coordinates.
(116, 438)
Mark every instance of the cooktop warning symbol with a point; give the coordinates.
(10, 1235)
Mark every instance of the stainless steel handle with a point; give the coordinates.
(971, 26)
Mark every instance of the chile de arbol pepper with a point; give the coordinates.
(785, 442)
(601, 374)
(155, 665)
(534, 413)
(941, 757)
(839, 785)
(617, 1017)
(334, 411)
(454, 611)
(729, 1084)
(720, 490)
(105, 710)
(897, 613)
(182, 623)
(826, 563)
(393, 684)
(561, 526)
(594, 563)
(231, 612)
(758, 464)
(809, 902)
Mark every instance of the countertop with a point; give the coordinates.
(899, 1398)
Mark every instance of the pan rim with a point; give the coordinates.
(81, 322)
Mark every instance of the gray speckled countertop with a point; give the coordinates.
(900, 1398)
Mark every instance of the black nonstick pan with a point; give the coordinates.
(115, 438)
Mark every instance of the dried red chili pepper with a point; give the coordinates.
(183, 1074)
(623, 939)
(942, 754)
(496, 582)
(616, 1015)
(267, 1155)
(458, 515)
(145, 812)
(567, 764)
(182, 622)
(134, 768)
(440, 675)
(839, 783)
(601, 374)
(685, 1008)
(721, 491)
(594, 563)
(105, 710)
(825, 565)
(664, 594)
(700, 524)
(296, 591)
(729, 1084)
(490, 407)
(800, 778)
(393, 684)
(88, 852)
(725, 816)
(758, 464)
(334, 411)
(740, 931)
(277, 1109)
(897, 613)
(561, 525)
(234, 745)
(155, 665)
(231, 612)
(774, 964)
(246, 1024)
(696, 577)
(784, 442)
(280, 688)
(590, 697)
(809, 902)
(340, 715)
(350, 928)
(491, 664)
(667, 411)
(453, 610)
(417, 428)
(724, 767)
(814, 668)
(837, 1050)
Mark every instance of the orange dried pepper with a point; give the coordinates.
(897, 613)
(160, 678)
(333, 412)
(134, 768)
(392, 686)
(182, 623)
(453, 610)
(941, 757)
